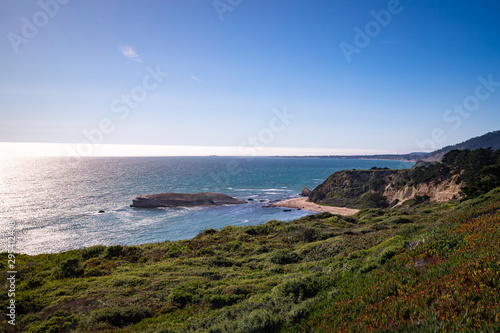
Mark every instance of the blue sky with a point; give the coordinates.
(235, 66)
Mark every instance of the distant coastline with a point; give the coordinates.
(491, 139)
(414, 157)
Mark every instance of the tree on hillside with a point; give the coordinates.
(488, 180)
(480, 169)
(470, 162)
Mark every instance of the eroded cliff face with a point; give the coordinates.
(437, 192)
(368, 188)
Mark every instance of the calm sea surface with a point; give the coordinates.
(54, 201)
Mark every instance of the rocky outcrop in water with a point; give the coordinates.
(305, 192)
(184, 200)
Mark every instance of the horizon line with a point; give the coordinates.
(39, 149)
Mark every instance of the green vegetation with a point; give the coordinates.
(480, 169)
(450, 282)
(420, 267)
(477, 172)
(353, 188)
(491, 139)
(417, 266)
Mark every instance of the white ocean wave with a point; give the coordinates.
(274, 190)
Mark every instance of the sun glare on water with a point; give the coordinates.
(25, 149)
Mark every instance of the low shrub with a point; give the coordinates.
(409, 230)
(128, 281)
(320, 251)
(210, 231)
(92, 252)
(175, 250)
(399, 220)
(251, 232)
(302, 288)
(221, 300)
(258, 321)
(284, 257)
(205, 251)
(262, 249)
(232, 246)
(220, 262)
(119, 316)
(373, 200)
(55, 324)
(445, 243)
(68, 269)
(324, 215)
(358, 254)
(30, 318)
(188, 292)
(113, 251)
(299, 311)
(367, 268)
(387, 254)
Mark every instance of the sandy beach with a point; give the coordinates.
(302, 203)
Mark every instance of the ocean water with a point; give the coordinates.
(53, 202)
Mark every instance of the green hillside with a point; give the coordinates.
(488, 140)
(424, 267)
(461, 173)
(450, 282)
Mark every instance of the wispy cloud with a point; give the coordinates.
(194, 78)
(129, 52)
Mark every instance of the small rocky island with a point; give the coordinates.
(184, 200)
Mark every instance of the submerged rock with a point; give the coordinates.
(184, 200)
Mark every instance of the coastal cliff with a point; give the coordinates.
(461, 173)
(388, 188)
(350, 188)
(184, 200)
(441, 191)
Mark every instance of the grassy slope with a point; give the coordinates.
(449, 283)
(425, 267)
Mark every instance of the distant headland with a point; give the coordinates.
(491, 139)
